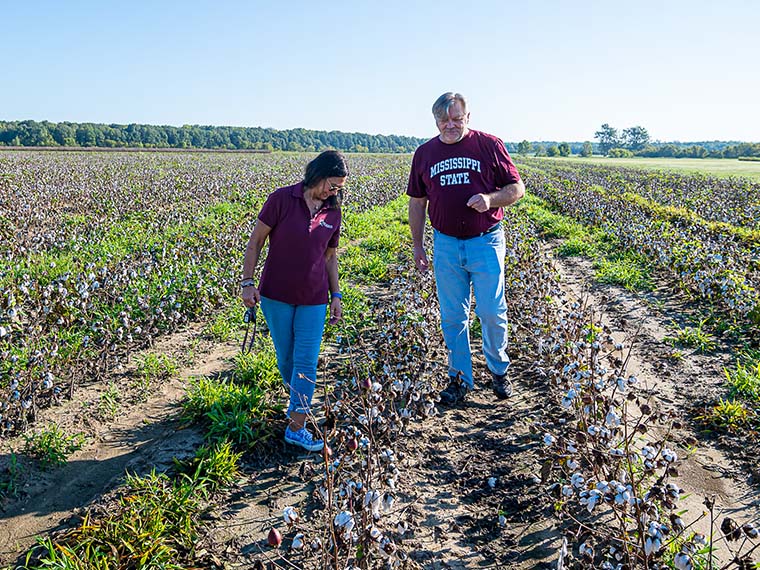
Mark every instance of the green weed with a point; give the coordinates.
(216, 465)
(696, 338)
(578, 246)
(729, 415)
(234, 411)
(624, 269)
(745, 380)
(51, 447)
(228, 323)
(155, 367)
(259, 366)
(10, 477)
(109, 402)
(153, 526)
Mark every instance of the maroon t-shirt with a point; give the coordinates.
(295, 270)
(450, 174)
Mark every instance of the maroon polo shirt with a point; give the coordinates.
(448, 175)
(295, 270)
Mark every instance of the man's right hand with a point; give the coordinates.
(420, 259)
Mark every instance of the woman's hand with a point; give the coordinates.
(336, 310)
(250, 295)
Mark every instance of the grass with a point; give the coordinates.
(216, 465)
(10, 477)
(612, 266)
(239, 409)
(722, 167)
(51, 447)
(745, 379)
(626, 269)
(377, 239)
(155, 367)
(109, 402)
(578, 239)
(228, 322)
(154, 525)
(730, 415)
(692, 337)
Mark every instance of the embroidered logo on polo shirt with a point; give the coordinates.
(324, 224)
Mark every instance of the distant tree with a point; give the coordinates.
(64, 134)
(694, 151)
(564, 149)
(524, 147)
(635, 138)
(608, 138)
(552, 151)
(85, 135)
(587, 149)
(619, 153)
(36, 134)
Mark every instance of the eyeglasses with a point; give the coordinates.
(335, 188)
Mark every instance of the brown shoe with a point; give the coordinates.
(501, 385)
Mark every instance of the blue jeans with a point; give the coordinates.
(458, 265)
(297, 335)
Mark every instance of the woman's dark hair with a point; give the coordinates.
(327, 164)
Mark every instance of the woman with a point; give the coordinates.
(302, 223)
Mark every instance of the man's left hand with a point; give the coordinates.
(480, 202)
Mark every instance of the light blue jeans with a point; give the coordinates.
(297, 335)
(459, 265)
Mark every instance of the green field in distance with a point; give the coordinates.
(712, 166)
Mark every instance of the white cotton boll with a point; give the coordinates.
(289, 515)
(548, 439)
(345, 520)
(682, 561)
(297, 543)
(492, 482)
(652, 545)
(669, 455)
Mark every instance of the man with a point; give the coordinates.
(464, 178)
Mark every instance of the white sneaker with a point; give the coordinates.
(303, 438)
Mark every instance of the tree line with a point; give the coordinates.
(66, 134)
(635, 141)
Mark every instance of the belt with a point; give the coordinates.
(481, 234)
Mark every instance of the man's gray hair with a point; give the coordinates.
(442, 104)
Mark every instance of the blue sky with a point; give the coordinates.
(542, 70)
